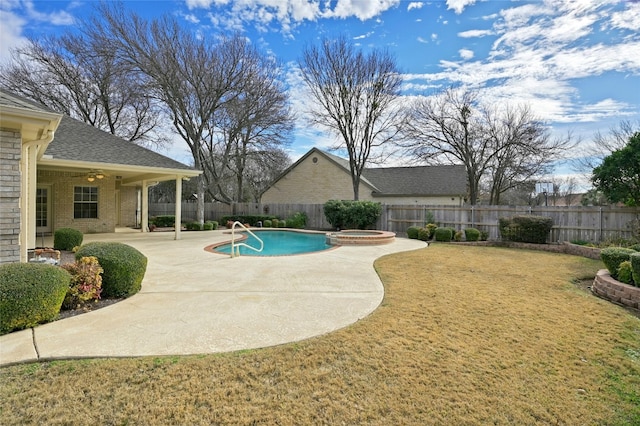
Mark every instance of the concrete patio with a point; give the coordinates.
(196, 302)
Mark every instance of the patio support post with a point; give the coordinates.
(144, 220)
(178, 207)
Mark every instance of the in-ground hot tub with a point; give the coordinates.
(357, 237)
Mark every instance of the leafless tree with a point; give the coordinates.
(505, 147)
(249, 128)
(192, 75)
(604, 144)
(75, 75)
(355, 95)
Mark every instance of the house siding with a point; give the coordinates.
(314, 183)
(443, 200)
(10, 178)
(62, 184)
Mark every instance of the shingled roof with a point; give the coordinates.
(78, 141)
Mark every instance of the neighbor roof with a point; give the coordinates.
(402, 181)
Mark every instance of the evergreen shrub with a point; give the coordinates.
(67, 239)
(612, 257)
(165, 221)
(443, 234)
(412, 232)
(124, 267)
(471, 234)
(625, 273)
(526, 228)
(30, 294)
(346, 214)
(634, 258)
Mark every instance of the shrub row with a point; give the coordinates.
(30, 294)
(344, 214)
(525, 229)
(163, 221)
(622, 263)
(250, 219)
(445, 234)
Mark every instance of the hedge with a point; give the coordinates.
(634, 258)
(344, 214)
(443, 234)
(124, 267)
(471, 234)
(67, 239)
(526, 229)
(250, 219)
(612, 257)
(30, 294)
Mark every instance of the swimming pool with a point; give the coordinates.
(279, 243)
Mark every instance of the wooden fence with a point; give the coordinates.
(570, 223)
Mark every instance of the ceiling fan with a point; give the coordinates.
(92, 175)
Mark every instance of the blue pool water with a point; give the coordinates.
(280, 243)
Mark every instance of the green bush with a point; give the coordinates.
(298, 220)
(636, 247)
(345, 214)
(612, 257)
(30, 294)
(458, 236)
(634, 258)
(424, 234)
(194, 226)
(471, 234)
(625, 273)
(123, 265)
(275, 222)
(86, 282)
(443, 234)
(484, 235)
(282, 224)
(431, 229)
(412, 232)
(526, 229)
(165, 221)
(215, 225)
(207, 226)
(267, 223)
(66, 239)
(250, 219)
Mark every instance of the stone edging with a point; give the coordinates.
(606, 287)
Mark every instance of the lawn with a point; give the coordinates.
(465, 335)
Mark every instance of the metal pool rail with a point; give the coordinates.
(235, 247)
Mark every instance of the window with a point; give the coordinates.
(85, 202)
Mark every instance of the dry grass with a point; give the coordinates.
(465, 335)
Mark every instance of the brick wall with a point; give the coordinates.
(615, 291)
(62, 184)
(10, 149)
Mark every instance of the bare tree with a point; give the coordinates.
(355, 95)
(249, 128)
(193, 76)
(604, 144)
(77, 76)
(505, 147)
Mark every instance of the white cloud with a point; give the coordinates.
(466, 54)
(56, 18)
(10, 34)
(415, 5)
(459, 5)
(628, 19)
(360, 37)
(475, 33)
(362, 10)
(422, 40)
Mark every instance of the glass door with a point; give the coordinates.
(43, 210)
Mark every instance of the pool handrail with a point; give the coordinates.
(236, 246)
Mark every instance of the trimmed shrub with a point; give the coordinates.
(471, 234)
(215, 225)
(250, 219)
(194, 226)
(412, 232)
(484, 235)
(526, 229)
(625, 273)
(634, 258)
(207, 226)
(67, 239)
(123, 266)
(458, 236)
(275, 222)
(298, 220)
(282, 224)
(424, 234)
(612, 257)
(344, 214)
(86, 282)
(443, 234)
(267, 223)
(30, 294)
(431, 229)
(165, 221)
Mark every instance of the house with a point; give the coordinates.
(319, 176)
(57, 172)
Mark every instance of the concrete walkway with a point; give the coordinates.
(197, 302)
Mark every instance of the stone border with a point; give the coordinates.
(566, 247)
(608, 288)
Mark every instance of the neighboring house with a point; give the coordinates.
(319, 176)
(57, 172)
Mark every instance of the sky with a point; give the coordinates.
(576, 63)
